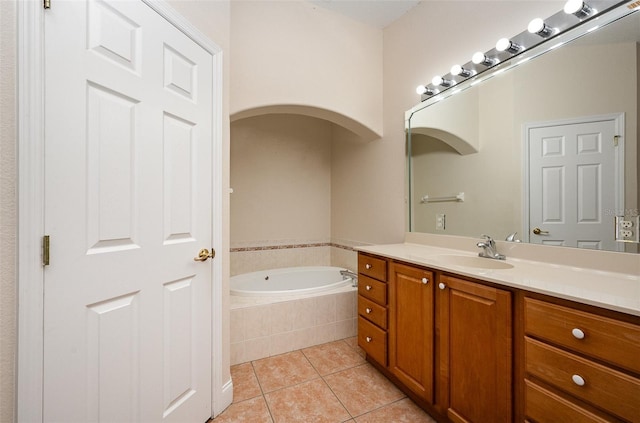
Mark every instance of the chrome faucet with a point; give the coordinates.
(349, 274)
(489, 249)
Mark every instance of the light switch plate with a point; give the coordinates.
(440, 222)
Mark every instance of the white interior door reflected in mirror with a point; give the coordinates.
(569, 164)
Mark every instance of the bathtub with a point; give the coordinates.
(289, 281)
(281, 310)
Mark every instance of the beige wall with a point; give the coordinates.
(296, 53)
(8, 211)
(281, 180)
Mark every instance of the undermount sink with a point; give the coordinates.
(471, 261)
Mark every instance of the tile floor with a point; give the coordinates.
(326, 383)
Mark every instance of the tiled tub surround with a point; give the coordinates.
(267, 255)
(267, 326)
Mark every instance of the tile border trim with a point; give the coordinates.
(290, 246)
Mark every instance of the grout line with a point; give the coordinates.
(318, 376)
(262, 392)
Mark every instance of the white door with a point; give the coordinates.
(128, 204)
(572, 184)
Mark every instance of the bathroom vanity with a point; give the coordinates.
(480, 340)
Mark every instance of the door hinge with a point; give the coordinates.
(45, 250)
(46, 4)
(616, 139)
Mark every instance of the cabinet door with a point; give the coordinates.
(474, 323)
(411, 316)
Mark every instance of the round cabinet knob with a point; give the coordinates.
(368, 266)
(578, 380)
(368, 310)
(368, 287)
(425, 281)
(441, 285)
(577, 333)
(369, 339)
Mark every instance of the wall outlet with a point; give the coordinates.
(440, 222)
(626, 224)
(627, 228)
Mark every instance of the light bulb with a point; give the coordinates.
(438, 80)
(459, 70)
(504, 44)
(423, 90)
(572, 6)
(578, 8)
(535, 26)
(479, 58)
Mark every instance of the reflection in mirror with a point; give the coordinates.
(547, 143)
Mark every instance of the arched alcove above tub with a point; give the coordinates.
(362, 131)
(454, 120)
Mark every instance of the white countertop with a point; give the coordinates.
(610, 290)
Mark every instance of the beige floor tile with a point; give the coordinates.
(403, 411)
(307, 402)
(332, 357)
(250, 411)
(362, 389)
(283, 370)
(353, 343)
(245, 382)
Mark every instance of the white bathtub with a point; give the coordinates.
(294, 308)
(289, 281)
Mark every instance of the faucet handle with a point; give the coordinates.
(512, 237)
(487, 237)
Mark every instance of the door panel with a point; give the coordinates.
(572, 184)
(128, 204)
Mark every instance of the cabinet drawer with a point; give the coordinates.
(372, 312)
(372, 267)
(372, 340)
(543, 406)
(605, 388)
(610, 340)
(372, 289)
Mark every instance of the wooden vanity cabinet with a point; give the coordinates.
(446, 341)
(579, 364)
(411, 328)
(474, 322)
(372, 307)
(454, 345)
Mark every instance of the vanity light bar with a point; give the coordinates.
(574, 14)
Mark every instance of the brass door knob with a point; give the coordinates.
(204, 255)
(539, 231)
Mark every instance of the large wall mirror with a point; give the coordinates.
(547, 148)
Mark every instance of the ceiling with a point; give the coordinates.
(378, 13)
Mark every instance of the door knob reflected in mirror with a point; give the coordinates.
(204, 255)
(539, 231)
